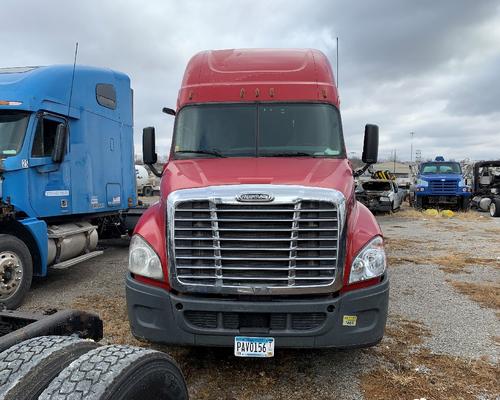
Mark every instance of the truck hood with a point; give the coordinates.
(316, 172)
(438, 177)
(377, 192)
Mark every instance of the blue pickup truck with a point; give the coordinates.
(66, 168)
(440, 183)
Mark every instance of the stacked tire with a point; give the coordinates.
(64, 368)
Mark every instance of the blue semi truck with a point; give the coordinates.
(441, 183)
(66, 168)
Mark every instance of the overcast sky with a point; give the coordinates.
(429, 67)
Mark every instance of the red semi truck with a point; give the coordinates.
(258, 241)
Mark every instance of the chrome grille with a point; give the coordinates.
(219, 243)
(443, 187)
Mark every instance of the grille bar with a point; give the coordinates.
(257, 248)
(289, 245)
(209, 267)
(271, 210)
(256, 220)
(215, 257)
(256, 239)
(250, 278)
(253, 229)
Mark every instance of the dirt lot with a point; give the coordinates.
(442, 338)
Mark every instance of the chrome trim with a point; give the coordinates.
(282, 194)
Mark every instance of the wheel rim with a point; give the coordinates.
(493, 209)
(11, 274)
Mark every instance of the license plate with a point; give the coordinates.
(253, 346)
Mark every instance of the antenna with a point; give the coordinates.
(72, 78)
(337, 62)
(411, 146)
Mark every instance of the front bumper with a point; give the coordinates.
(160, 316)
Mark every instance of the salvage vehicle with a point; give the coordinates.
(486, 195)
(257, 241)
(440, 183)
(146, 185)
(380, 195)
(66, 168)
(56, 356)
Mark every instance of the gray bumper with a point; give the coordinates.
(160, 316)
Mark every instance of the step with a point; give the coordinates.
(76, 260)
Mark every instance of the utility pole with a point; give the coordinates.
(411, 146)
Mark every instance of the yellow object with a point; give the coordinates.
(349, 320)
(447, 213)
(431, 212)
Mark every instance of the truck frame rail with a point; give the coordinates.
(17, 326)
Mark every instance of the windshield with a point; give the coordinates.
(258, 130)
(12, 128)
(377, 185)
(441, 168)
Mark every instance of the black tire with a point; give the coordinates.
(12, 248)
(148, 191)
(27, 368)
(419, 202)
(119, 373)
(464, 205)
(495, 208)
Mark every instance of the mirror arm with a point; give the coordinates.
(154, 170)
(361, 171)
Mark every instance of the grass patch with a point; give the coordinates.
(486, 294)
(409, 373)
(399, 244)
(412, 213)
(457, 262)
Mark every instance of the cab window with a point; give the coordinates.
(45, 135)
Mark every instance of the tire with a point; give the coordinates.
(27, 368)
(15, 259)
(464, 205)
(148, 191)
(495, 208)
(119, 372)
(419, 203)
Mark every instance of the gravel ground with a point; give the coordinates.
(420, 291)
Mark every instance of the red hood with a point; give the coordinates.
(318, 172)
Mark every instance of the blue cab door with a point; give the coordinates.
(49, 181)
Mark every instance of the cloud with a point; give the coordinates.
(422, 66)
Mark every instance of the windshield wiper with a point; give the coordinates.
(209, 152)
(290, 154)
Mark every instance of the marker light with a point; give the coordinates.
(10, 103)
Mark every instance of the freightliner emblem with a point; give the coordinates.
(257, 197)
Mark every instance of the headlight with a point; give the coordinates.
(384, 198)
(370, 261)
(143, 260)
(422, 182)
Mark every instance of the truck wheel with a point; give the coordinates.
(16, 271)
(418, 203)
(148, 191)
(119, 372)
(495, 208)
(27, 368)
(465, 205)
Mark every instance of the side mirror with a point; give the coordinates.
(168, 111)
(149, 155)
(59, 143)
(370, 145)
